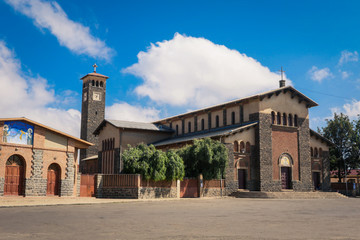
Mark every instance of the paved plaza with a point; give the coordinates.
(227, 218)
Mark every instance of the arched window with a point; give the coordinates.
(247, 147)
(103, 145)
(320, 152)
(284, 119)
(202, 124)
(189, 127)
(101, 84)
(217, 121)
(295, 120)
(83, 85)
(316, 153)
(233, 118)
(272, 117)
(290, 120)
(236, 146)
(97, 83)
(177, 129)
(93, 82)
(242, 147)
(279, 118)
(311, 152)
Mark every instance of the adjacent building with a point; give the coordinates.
(36, 160)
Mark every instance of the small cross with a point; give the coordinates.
(282, 73)
(95, 66)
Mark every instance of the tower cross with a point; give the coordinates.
(282, 73)
(95, 66)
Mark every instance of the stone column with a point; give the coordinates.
(326, 172)
(67, 184)
(99, 186)
(36, 185)
(2, 182)
(78, 183)
(305, 183)
(231, 184)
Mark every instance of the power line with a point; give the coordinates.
(326, 94)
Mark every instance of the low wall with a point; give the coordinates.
(131, 186)
(341, 188)
(213, 188)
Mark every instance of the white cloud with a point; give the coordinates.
(24, 96)
(318, 75)
(73, 35)
(125, 111)
(194, 72)
(345, 74)
(347, 56)
(350, 109)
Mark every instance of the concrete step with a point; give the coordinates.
(288, 195)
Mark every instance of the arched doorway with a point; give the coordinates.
(14, 175)
(53, 180)
(285, 164)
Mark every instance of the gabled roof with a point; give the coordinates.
(310, 103)
(95, 75)
(225, 131)
(321, 137)
(79, 143)
(133, 125)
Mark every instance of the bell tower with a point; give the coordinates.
(92, 110)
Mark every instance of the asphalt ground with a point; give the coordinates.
(227, 218)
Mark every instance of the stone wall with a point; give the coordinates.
(36, 185)
(2, 182)
(213, 192)
(157, 192)
(126, 193)
(67, 184)
(231, 184)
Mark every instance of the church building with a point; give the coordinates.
(271, 147)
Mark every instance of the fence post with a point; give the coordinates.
(200, 185)
(99, 185)
(178, 188)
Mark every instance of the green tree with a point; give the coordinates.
(174, 166)
(152, 163)
(205, 156)
(341, 132)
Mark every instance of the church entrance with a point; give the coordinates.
(14, 176)
(285, 177)
(316, 180)
(53, 180)
(242, 178)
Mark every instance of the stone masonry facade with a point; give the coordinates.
(36, 185)
(67, 184)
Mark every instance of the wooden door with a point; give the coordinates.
(87, 185)
(242, 178)
(53, 180)
(13, 180)
(285, 178)
(316, 180)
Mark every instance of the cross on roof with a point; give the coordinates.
(282, 73)
(95, 66)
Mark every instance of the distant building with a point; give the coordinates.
(36, 160)
(271, 147)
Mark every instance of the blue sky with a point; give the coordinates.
(169, 57)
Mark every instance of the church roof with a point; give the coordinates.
(321, 137)
(133, 125)
(309, 102)
(80, 143)
(225, 131)
(95, 75)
